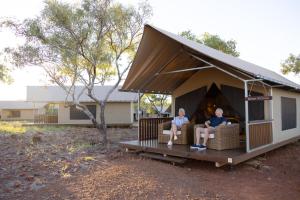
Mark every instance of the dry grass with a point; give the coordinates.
(19, 128)
(12, 128)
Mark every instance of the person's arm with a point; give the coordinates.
(186, 120)
(174, 120)
(207, 123)
(223, 122)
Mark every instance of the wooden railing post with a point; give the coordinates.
(148, 127)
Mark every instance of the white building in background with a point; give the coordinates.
(20, 110)
(119, 108)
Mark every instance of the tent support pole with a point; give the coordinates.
(271, 112)
(247, 117)
(162, 68)
(223, 70)
(138, 114)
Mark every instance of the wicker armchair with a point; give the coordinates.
(224, 137)
(185, 135)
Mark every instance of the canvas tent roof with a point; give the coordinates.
(10, 105)
(56, 94)
(161, 52)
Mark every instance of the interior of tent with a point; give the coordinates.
(200, 104)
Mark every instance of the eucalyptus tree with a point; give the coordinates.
(213, 41)
(291, 64)
(89, 44)
(4, 74)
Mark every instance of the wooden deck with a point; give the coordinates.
(231, 157)
(184, 151)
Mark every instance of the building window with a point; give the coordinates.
(288, 113)
(76, 114)
(14, 114)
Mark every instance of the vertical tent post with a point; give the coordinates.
(247, 117)
(138, 114)
(271, 112)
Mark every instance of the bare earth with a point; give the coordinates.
(68, 164)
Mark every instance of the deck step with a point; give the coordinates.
(167, 158)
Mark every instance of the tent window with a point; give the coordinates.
(76, 114)
(288, 113)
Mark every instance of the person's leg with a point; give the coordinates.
(173, 131)
(199, 130)
(206, 136)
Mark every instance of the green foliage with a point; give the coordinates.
(15, 127)
(213, 41)
(79, 43)
(155, 103)
(12, 128)
(291, 64)
(4, 74)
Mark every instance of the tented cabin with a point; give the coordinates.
(263, 104)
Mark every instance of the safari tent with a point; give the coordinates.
(263, 103)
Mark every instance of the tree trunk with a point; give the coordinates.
(103, 126)
(100, 126)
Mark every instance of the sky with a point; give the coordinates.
(266, 31)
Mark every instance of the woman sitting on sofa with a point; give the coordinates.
(177, 123)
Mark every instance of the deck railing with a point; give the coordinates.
(46, 119)
(260, 133)
(148, 127)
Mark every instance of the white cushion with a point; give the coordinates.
(168, 132)
(211, 135)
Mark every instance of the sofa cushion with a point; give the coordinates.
(211, 135)
(168, 132)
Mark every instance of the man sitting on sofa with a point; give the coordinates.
(210, 126)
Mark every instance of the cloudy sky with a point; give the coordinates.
(266, 31)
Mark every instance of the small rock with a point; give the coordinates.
(29, 178)
(84, 167)
(266, 167)
(16, 184)
(36, 185)
(22, 175)
(254, 163)
(36, 174)
(36, 139)
(261, 158)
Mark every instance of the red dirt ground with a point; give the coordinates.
(63, 166)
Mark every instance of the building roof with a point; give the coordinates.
(161, 52)
(56, 94)
(10, 105)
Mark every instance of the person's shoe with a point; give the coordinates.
(175, 137)
(202, 147)
(170, 143)
(195, 146)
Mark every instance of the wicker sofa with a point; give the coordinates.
(224, 137)
(185, 135)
